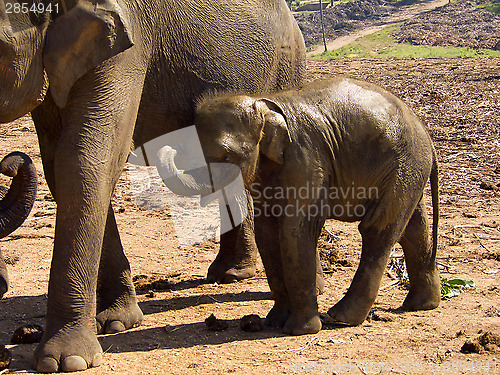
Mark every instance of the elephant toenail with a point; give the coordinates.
(97, 360)
(73, 363)
(47, 364)
(115, 326)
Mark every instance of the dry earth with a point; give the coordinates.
(459, 24)
(459, 100)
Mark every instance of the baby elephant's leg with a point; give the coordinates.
(379, 233)
(267, 238)
(298, 251)
(425, 289)
(354, 307)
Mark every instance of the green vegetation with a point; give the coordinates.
(405, 2)
(384, 44)
(452, 288)
(294, 4)
(493, 7)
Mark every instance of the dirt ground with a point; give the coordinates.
(460, 102)
(459, 23)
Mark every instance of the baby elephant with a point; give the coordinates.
(336, 148)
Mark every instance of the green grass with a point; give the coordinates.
(493, 7)
(384, 44)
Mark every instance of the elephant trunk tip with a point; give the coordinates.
(17, 201)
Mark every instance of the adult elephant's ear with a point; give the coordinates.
(275, 130)
(77, 41)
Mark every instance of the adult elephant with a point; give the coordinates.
(16, 202)
(100, 77)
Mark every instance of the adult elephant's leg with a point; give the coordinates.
(116, 302)
(4, 277)
(117, 307)
(237, 257)
(90, 154)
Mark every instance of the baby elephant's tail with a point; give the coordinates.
(435, 202)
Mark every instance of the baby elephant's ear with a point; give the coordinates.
(276, 135)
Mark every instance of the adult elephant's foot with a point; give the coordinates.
(3, 286)
(238, 254)
(349, 311)
(4, 278)
(302, 323)
(233, 263)
(119, 317)
(230, 270)
(71, 348)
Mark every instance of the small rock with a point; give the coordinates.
(215, 324)
(469, 215)
(490, 224)
(27, 334)
(380, 316)
(251, 323)
(48, 197)
(488, 186)
(471, 347)
(5, 358)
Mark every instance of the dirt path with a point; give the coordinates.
(405, 14)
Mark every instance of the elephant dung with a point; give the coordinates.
(215, 324)
(151, 283)
(27, 334)
(5, 357)
(488, 341)
(251, 323)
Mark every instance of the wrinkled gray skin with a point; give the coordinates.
(16, 201)
(101, 80)
(336, 134)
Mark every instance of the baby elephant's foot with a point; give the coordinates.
(69, 349)
(278, 316)
(346, 311)
(119, 318)
(300, 324)
(425, 296)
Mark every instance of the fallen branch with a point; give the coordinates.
(482, 245)
(299, 349)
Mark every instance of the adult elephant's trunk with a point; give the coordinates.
(186, 183)
(15, 202)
